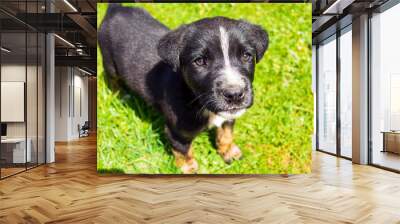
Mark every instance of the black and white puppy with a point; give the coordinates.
(198, 76)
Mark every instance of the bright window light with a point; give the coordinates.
(64, 40)
(70, 5)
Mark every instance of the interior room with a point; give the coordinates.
(44, 76)
(385, 89)
(22, 96)
(334, 77)
(49, 128)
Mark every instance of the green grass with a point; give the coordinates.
(274, 135)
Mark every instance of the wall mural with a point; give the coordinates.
(204, 88)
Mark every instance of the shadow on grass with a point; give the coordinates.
(212, 133)
(142, 110)
(110, 171)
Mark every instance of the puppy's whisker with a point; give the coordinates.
(204, 106)
(199, 112)
(199, 97)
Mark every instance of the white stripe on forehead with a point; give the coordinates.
(231, 75)
(225, 45)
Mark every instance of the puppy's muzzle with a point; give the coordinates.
(231, 96)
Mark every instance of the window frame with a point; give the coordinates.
(338, 34)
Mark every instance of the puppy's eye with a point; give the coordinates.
(246, 57)
(200, 61)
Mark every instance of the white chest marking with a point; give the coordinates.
(215, 120)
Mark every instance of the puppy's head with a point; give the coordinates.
(216, 57)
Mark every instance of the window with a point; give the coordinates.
(385, 89)
(346, 92)
(22, 95)
(327, 95)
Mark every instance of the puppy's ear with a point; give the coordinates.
(258, 37)
(170, 46)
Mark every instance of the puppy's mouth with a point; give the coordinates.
(232, 114)
(227, 110)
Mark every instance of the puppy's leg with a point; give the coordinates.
(185, 161)
(183, 152)
(226, 148)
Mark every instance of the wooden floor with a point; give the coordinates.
(387, 159)
(70, 191)
(10, 171)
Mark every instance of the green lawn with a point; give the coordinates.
(274, 135)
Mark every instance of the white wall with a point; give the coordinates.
(13, 101)
(70, 83)
(12, 73)
(33, 127)
(62, 81)
(80, 84)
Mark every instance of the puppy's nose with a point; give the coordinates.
(233, 95)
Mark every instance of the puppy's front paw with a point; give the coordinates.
(185, 162)
(189, 167)
(233, 153)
